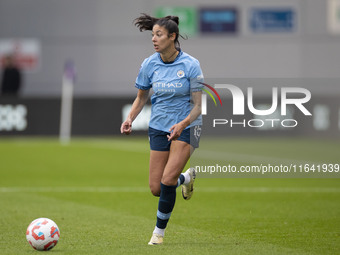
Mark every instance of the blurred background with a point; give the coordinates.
(95, 47)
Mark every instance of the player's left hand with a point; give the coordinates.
(175, 131)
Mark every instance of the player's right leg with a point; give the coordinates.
(158, 161)
(178, 157)
(159, 154)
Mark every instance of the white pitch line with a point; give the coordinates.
(145, 189)
(269, 190)
(73, 189)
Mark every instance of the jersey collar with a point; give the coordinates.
(178, 56)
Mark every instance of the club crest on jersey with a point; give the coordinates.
(180, 74)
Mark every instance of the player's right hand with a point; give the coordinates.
(126, 127)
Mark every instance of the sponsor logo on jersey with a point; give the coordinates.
(168, 85)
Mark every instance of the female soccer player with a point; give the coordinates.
(175, 79)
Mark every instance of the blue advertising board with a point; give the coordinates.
(219, 20)
(273, 20)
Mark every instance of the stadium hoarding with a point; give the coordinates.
(219, 20)
(41, 116)
(273, 20)
(29, 116)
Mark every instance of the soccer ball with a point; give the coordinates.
(42, 234)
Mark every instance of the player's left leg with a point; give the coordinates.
(179, 154)
(157, 163)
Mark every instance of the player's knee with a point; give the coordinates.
(155, 190)
(169, 180)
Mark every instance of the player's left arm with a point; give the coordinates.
(176, 130)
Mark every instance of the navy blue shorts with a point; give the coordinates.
(159, 140)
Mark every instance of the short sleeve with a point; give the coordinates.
(143, 80)
(196, 77)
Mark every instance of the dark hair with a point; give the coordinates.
(170, 23)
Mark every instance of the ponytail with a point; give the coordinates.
(146, 22)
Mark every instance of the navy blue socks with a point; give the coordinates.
(166, 204)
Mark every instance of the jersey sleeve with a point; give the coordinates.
(143, 81)
(196, 77)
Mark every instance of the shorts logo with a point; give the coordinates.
(180, 74)
(197, 132)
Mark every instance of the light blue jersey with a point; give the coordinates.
(172, 84)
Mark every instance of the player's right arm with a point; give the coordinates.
(137, 106)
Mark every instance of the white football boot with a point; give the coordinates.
(188, 189)
(156, 239)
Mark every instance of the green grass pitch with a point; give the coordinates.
(96, 190)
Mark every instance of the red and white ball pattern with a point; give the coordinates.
(43, 234)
